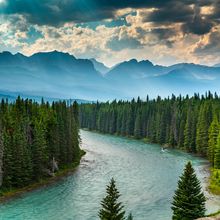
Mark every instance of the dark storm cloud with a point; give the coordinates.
(198, 26)
(57, 12)
(164, 35)
(216, 13)
(189, 15)
(172, 12)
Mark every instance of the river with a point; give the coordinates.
(145, 176)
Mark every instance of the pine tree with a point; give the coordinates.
(129, 121)
(213, 135)
(130, 217)
(189, 200)
(7, 161)
(187, 132)
(111, 208)
(22, 167)
(1, 155)
(137, 127)
(202, 132)
(217, 154)
(40, 156)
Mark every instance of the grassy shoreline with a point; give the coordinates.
(62, 173)
(214, 181)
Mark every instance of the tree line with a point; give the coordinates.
(187, 123)
(35, 140)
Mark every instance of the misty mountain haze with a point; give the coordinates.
(61, 75)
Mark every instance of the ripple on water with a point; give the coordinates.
(145, 177)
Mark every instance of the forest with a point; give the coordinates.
(36, 140)
(187, 123)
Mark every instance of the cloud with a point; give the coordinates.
(164, 31)
(198, 25)
(171, 12)
(56, 12)
(117, 44)
(209, 45)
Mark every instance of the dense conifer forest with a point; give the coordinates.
(187, 123)
(36, 139)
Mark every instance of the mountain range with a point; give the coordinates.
(61, 75)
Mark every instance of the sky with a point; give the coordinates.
(111, 31)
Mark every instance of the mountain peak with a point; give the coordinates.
(100, 67)
(132, 61)
(53, 53)
(6, 53)
(136, 62)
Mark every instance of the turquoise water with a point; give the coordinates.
(145, 177)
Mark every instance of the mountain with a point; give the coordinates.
(61, 75)
(143, 77)
(133, 69)
(51, 74)
(100, 67)
(12, 96)
(217, 65)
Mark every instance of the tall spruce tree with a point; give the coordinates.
(189, 200)
(111, 208)
(130, 217)
(40, 157)
(217, 154)
(202, 132)
(1, 155)
(213, 135)
(189, 137)
(137, 126)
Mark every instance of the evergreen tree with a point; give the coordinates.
(7, 161)
(188, 135)
(217, 154)
(32, 135)
(213, 135)
(137, 127)
(129, 121)
(111, 208)
(40, 157)
(1, 155)
(189, 200)
(130, 217)
(22, 166)
(202, 132)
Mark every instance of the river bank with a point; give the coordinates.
(47, 181)
(213, 183)
(146, 178)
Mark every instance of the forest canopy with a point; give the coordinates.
(187, 123)
(34, 138)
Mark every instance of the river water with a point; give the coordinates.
(145, 176)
